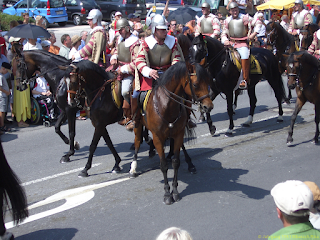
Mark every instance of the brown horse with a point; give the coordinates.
(307, 33)
(166, 116)
(303, 72)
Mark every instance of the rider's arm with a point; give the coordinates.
(225, 32)
(216, 27)
(141, 62)
(314, 44)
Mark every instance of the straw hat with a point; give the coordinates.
(75, 39)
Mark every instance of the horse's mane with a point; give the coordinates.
(198, 40)
(51, 55)
(306, 57)
(85, 65)
(177, 71)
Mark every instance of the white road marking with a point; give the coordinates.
(56, 175)
(74, 197)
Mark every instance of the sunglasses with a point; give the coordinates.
(173, 24)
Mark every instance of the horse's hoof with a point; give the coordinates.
(133, 175)
(289, 143)
(116, 170)
(201, 119)
(83, 174)
(279, 120)
(315, 141)
(245, 125)
(228, 134)
(176, 197)
(76, 145)
(132, 147)
(192, 170)
(213, 130)
(168, 200)
(65, 159)
(152, 153)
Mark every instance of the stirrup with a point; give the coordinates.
(130, 126)
(243, 84)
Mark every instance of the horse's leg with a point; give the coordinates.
(61, 119)
(148, 140)
(235, 102)
(71, 115)
(164, 169)
(316, 119)
(137, 142)
(300, 102)
(170, 154)
(192, 169)
(175, 166)
(106, 137)
(201, 118)
(92, 148)
(2, 226)
(253, 102)
(212, 128)
(230, 113)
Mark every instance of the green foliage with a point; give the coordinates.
(5, 20)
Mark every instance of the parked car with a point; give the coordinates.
(53, 11)
(110, 7)
(78, 10)
(8, 3)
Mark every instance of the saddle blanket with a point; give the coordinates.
(143, 100)
(255, 67)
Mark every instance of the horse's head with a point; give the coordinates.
(271, 32)
(307, 35)
(74, 88)
(197, 86)
(199, 50)
(21, 72)
(293, 66)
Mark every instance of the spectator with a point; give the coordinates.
(173, 25)
(285, 22)
(131, 18)
(40, 22)
(46, 45)
(84, 35)
(41, 91)
(293, 201)
(137, 18)
(32, 44)
(75, 42)
(66, 45)
(25, 18)
(137, 29)
(174, 233)
(53, 48)
(4, 94)
(315, 211)
(12, 40)
(117, 16)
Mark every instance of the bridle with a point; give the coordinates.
(273, 43)
(79, 93)
(296, 75)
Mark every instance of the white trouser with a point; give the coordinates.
(244, 52)
(126, 87)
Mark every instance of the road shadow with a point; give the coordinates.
(51, 234)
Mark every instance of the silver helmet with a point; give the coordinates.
(299, 2)
(233, 5)
(158, 22)
(96, 16)
(205, 5)
(121, 23)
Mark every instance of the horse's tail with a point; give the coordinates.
(190, 135)
(12, 191)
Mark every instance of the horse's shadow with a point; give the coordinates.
(50, 234)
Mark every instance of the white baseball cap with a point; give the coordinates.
(292, 196)
(45, 43)
(118, 14)
(14, 39)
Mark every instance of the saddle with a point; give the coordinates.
(143, 100)
(255, 67)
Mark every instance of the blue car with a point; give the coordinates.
(53, 11)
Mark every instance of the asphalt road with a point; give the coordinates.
(228, 198)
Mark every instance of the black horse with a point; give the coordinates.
(225, 74)
(97, 85)
(51, 67)
(10, 191)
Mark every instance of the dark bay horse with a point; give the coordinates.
(166, 116)
(307, 33)
(50, 67)
(10, 192)
(225, 74)
(303, 72)
(103, 109)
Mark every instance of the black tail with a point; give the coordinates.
(13, 192)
